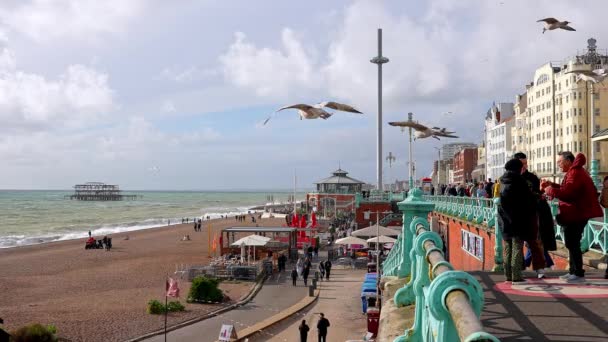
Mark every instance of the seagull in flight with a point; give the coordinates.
(316, 111)
(424, 132)
(552, 24)
(154, 169)
(594, 76)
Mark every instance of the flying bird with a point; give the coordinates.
(424, 132)
(316, 111)
(552, 24)
(594, 76)
(154, 169)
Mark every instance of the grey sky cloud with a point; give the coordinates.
(181, 85)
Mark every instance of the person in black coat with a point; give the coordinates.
(327, 269)
(536, 255)
(304, 328)
(322, 326)
(516, 218)
(294, 276)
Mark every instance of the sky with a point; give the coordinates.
(170, 95)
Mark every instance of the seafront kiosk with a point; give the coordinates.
(282, 239)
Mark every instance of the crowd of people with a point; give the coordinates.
(525, 219)
(485, 189)
(303, 268)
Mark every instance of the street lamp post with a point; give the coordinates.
(594, 162)
(438, 165)
(411, 180)
(390, 158)
(379, 60)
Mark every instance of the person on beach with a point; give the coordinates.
(89, 233)
(294, 277)
(322, 326)
(303, 331)
(327, 269)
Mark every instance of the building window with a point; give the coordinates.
(542, 92)
(580, 146)
(549, 150)
(567, 98)
(580, 128)
(567, 114)
(597, 129)
(596, 96)
(567, 146)
(597, 146)
(566, 82)
(597, 111)
(574, 96)
(579, 95)
(567, 130)
(561, 132)
(574, 112)
(559, 86)
(574, 129)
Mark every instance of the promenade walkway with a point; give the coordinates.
(277, 294)
(545, 310)
(340, 301)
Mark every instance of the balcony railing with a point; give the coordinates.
(379, 197)
(481, 211)
(448, 302)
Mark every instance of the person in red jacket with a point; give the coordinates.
(578, 203)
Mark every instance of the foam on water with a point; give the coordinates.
(32, 217)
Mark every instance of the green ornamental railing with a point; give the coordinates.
(482, 211)
(448, 302)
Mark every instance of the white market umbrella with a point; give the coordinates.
(381, 239)
(351, 240)
(251, 240)
(375, 230)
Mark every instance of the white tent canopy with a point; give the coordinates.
(375, 231)
(351, 240)
(381, 239)
(251, 240)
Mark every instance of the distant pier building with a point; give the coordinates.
(96, 191)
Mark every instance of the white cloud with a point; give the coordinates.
(30, 101)
(168, 107)
(44, 20)
(189, 74)
(270, 72)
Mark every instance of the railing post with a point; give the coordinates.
(412, 206)
(498, 260)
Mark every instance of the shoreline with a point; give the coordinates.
(125, 229)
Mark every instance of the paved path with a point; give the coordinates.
(340, 301)
(545, 310)
(275, 295)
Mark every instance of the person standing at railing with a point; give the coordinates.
(489, 188)
(578, 203)
(481, 192)
(516, 216)
(543, 233)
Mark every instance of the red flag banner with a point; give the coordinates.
(172, 288)
(313, 218)
(303, 222)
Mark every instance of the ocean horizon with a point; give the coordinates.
(37, 216)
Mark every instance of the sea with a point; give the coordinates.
(34, 216)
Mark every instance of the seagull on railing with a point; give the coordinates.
(553, 24)
(594, 76)
(306, 111)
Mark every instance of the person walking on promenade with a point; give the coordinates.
(322, 326)
(322, 269)
(304, 328)
(516, 216)
(294, 276)
(578, 203)
(327, 269)
(542, 237)
(305, 275)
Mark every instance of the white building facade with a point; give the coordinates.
(499, 121)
